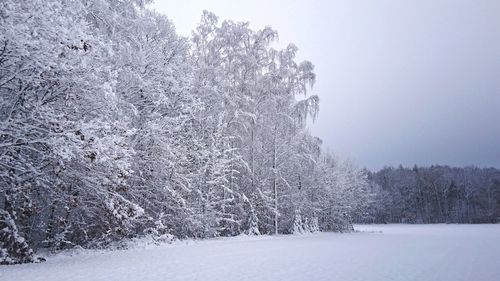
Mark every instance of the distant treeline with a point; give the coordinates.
(436, 194)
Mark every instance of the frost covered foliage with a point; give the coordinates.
(13, 247)
(112, 126)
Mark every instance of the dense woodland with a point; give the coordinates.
(436, 194)
(112, 126)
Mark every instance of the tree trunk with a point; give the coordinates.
(275, 189)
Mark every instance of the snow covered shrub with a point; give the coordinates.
(304, 225)
(313, 225)
(159, 232)
(119, 218)
(298, 224)
(253, 224)
(13, 247)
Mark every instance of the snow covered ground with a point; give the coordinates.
(377, 252)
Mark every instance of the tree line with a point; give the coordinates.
(112, 126)
(436, 194)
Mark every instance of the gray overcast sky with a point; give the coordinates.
(410, 82)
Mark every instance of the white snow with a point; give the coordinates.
(378, 252)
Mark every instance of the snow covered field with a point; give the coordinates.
(378, 252)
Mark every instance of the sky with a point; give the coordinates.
(400, 82)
